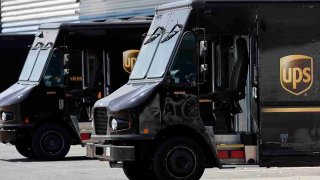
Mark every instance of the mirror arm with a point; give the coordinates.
(205, 50)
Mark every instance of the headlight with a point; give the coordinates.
(5, 116)
(114, 124)
(119, 124)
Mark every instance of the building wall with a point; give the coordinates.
(25, 16)
(106, 9)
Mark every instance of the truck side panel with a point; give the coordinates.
(289, 36)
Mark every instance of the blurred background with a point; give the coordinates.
(25, 16)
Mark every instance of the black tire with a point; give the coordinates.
(138, 171)
(179, 158)
(25, 149)
(50, 142)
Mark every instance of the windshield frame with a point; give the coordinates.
(176, 16)
(47, 39)
(42, 60)
(147, 44)
(30, 62)
(157, 61)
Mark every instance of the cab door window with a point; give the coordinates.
(184, 67)
(92, 70)
(54, 74)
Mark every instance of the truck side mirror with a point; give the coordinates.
(203, 48)
(203, 68)
(66, 63)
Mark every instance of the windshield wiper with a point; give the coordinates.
(155, 34)
(172, 33)
(47, 46)
(37, 46)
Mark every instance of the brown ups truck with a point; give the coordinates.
(217, 83)
(68, 68)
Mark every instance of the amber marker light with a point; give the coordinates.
(26, 120)
(145, 131)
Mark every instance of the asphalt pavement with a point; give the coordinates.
(76, 166)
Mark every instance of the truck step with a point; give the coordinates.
(229, 146)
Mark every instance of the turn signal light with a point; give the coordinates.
(85, 136)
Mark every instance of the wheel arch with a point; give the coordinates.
(184, 130)
(72, 132)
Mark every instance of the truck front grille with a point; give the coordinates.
(100, 120)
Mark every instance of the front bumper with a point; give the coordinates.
(129, 137)
(110, 152)
(7, 136)
(8, 131)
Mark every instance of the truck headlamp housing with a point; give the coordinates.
(119, 124)
(114, 124)
(6, 116)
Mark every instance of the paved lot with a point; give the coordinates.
(76, 166)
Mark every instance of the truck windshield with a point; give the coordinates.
(38, 56)
(41, 62)
(157, 50)
(164, 51)
(33, 55)
(148, 48)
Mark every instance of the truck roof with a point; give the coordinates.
(251, 1)
(97, 25)
(186, 3)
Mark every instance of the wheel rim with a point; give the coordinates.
(52, 143)
(181, 162)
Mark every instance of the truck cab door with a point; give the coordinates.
(93, 62)
(85, 85)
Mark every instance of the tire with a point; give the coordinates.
(179, 158)
(136, 171)
(50, 142)
(25, 149)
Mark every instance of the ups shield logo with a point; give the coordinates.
(129, 59)
(296, 73)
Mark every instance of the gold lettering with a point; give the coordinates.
(127, 63)
(307, 74)
(284, 75)
(76, 78)
(297, 77)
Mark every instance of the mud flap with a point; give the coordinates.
(75, 127)
(211, 142)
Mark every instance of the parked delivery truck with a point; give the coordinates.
(217, 83)
(69, 67)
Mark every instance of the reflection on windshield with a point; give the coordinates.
(41, 62)
(38, 55)
(175, 30)
(157, 32)
(31, 59)
(158, 52)
(144, 59)
(162, 56)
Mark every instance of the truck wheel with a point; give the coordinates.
(50, 142)
(135, 171)
(179, 158)
(25, 149)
